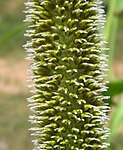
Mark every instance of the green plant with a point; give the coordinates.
(68, 68)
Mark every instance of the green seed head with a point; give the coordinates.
(65, 46)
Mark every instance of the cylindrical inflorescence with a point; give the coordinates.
(68, 65)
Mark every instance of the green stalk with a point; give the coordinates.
(68, 67)
(112, 46)
(110, 17)
(111, 31)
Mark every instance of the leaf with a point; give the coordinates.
(115, 87)
(12, 34)
(117, 119)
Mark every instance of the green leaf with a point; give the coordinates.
(12, 34)
(115, 88)
(117, 119)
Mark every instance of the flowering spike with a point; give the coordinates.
(68, 69)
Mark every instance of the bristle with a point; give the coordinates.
(68, 67)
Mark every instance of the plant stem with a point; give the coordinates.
(111, 31)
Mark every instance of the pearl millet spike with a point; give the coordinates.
(68, 66)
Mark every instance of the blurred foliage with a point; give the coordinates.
(113, 27)
(14, 126)
(11, 27)
(13, 122)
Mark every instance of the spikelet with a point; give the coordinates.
(65, 46)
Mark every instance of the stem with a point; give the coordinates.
(110, 17)
(111, 31)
